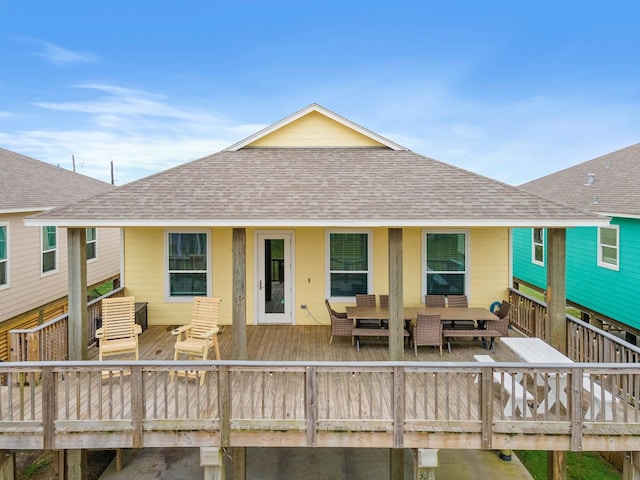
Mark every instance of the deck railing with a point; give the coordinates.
(49, 341)
(391, 405)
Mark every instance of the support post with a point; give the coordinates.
(7, 465)
(78, 327)
(211, 460)
(555, 327)
(396, 335)
(239, 306)
(76, 464)
(239, 249)
(425, 463)
(631, 466)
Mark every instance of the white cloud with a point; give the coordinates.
(60, 57)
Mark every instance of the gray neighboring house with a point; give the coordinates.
(33, 261)
(603, 263)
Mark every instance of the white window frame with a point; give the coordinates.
(534, 260)
(95, 242)
(601, 262)
(467, 258)
(6, 259)
(167, 279)
(327, 258)
(55, 250)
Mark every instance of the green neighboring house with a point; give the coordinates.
(603, 263)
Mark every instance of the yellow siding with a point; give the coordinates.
(145, 264)
(315, 130)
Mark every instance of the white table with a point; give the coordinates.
(535, 350)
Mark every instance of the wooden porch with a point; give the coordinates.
(297, 390)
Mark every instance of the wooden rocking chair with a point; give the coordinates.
(119, 332)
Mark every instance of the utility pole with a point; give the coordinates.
(73, 161)
(112, 180)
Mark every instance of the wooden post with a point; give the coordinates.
(76, 464)
(78, 327)
(7, 465)
(211, 460)
(556, 328)
(396, 337)
(239, 307)
(239, 252)
(631, 466)
(396, 311)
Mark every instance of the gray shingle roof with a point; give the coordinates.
(615, 188)
(30, 185)
(317, 186)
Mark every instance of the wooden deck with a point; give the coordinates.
(297, 390)
(311, 343)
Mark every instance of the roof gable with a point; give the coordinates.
(311, 127)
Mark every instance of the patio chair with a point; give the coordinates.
(365, 300)
(119, 332)
(195, 339)
(499, 328)
(460, 301)
(427, 331)
(435, 301)
(341, 326)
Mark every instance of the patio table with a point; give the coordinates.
(536, 350)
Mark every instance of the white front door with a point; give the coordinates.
(274, 274)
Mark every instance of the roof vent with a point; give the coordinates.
(597, 200)
(591, 177)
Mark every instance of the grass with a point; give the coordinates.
(100, 290)
(580, 466)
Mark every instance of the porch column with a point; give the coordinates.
(239, 321)
(396, 342)
(396, 310)
(239, 306)
(211, 460)
(78, 327)
(555, 327)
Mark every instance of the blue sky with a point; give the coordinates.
(511, 90)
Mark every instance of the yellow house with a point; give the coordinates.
(315, 196)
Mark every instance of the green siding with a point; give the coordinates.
(612, 293)
(523, 267)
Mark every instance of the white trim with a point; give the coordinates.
(534, 260)
(620, 215)
(327, 261)
(314, 107)
(328, 223)
(467, 258)
(56, 251)
(24, 210)
(602, 263)
(167, 289)
(256, 274)
(7, 261)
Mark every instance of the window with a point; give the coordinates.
(446, 263)
(608, 247)
(187, 259)
(92, 244)
(537, 246)
(4, 256)
(349, 257)
(49, 249)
